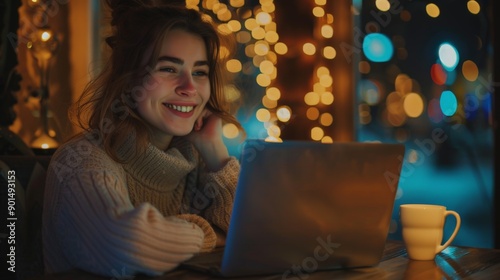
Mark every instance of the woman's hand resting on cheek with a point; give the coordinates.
(207, 138)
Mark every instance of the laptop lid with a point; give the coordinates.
(306, 206)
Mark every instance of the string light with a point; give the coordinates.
(256, 30)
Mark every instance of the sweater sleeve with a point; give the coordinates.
(214, 196)
(90, 224)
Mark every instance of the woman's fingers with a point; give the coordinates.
(199, 122)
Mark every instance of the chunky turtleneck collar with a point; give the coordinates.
(161, 170)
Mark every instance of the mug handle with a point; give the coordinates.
(455, 231)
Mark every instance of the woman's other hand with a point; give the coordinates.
(207, 138)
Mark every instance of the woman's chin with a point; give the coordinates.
(182, 132)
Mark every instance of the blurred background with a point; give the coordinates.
(410, 71)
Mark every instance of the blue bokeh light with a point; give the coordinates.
(377, 47)
(448, 103)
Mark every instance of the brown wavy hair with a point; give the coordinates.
(106, 108)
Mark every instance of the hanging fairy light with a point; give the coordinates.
(256, 30)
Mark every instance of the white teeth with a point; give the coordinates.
(184, 109)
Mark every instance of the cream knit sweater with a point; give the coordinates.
(143, 217)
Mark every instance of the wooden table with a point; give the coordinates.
(452, 263)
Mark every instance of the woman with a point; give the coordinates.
(150, 182)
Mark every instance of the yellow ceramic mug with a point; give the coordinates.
(423, 226)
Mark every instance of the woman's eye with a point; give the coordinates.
(167, 69)
(200, 73)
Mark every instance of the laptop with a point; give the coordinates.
(306, 206)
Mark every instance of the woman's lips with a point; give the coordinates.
(184, 111)
(180, 108)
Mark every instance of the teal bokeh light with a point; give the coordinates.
(448, 103)
(377, 47)
(448, 55)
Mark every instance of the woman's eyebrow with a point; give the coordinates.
(180, 61)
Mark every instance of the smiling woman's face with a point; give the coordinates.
(175, 93)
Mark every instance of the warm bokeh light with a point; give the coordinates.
(473, 7)
(224, 52)
(274, 131)
(470, 70)
(327, 140)
(272, 37)
(312, 98)
(263, 115)
(237, 3)
(261, 48)
(272, 56)
(309, 49)
(326, 119)
(383, 5)
(395, 119)
(329, 18)
(364, 67)
(312, 113)
(189, 3)
(233, 66)
(263, 18)
(234, 25)
(258, 33)
(320, 2)
(284, 113)
(432, 10)
(269, 103)
(327, 31)
(257, 60)
(224, 14)
(317, 87)
(224, 29)
(322, 70)
(273, 93)
(263, 80)
(44, 141)
(232, 93)
(243, 37)
(230, 131)
(413, 105)
(280, 48)
(318, 12)
(326, 81)
(329, 52)
(46, 35)
(251, 24)
(327, 98)
(250, 50)
(394, 103)
(266, 67)
(438, 74)
(268, 6)
(403, 83)
(317, 133)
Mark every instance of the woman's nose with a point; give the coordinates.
(186, 85)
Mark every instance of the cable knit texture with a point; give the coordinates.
(146, 216)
